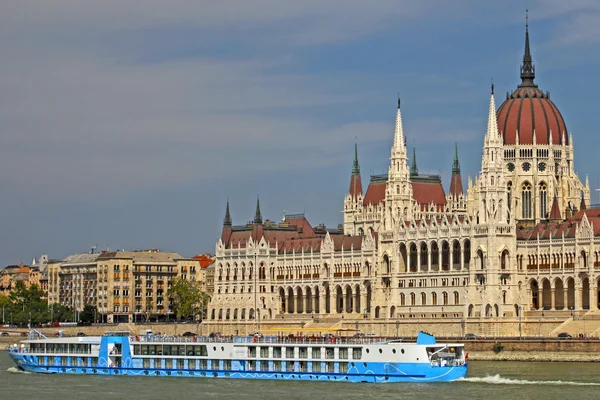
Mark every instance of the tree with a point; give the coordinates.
(188, 298)
(88, 314)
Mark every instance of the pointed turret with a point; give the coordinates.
(555, 211)
(456, 181)
(399, 141)
(226, 232)
(582, 205)
(257, 215)
(492, 135)
(413, 168)
(355, 182)
(527, 68)
(227, 219)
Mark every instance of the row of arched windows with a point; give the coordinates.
(527, 197)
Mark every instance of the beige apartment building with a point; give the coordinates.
(125, 286)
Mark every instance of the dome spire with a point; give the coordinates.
(527, 68)
(257, 215)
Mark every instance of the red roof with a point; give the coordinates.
(375, 193)
(355, 185)
(530, 110)
(456, 185)
(426, 193)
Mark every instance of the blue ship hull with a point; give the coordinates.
(371, 373)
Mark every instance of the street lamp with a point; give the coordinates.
(409, 312)
(442, 311)
(520, 316)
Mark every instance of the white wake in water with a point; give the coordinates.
(498, 380)
(16, 370)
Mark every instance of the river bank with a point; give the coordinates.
(534, 356)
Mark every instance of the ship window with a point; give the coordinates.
(343, 367)
(215, 364)
(264, 352)
(316, 366)
(276, 352)
(180, 363)
(302, 352)
(343, 353)
(303, 366)
(203, 364)
(356, 353)
(329, 367)
(277, 366)
(402, 351)
(329, 351)
(264, 365)
(146, 363)
(191, 364)
(227, 365)
(289, 352)
(252, 352)
(158, 363)
(167, 350)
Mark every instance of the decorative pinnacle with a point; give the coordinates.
(413, 169)
(355, 166)
(257, 216)
(227, 220)
(527, 68)
(398, 101)
(455, 164)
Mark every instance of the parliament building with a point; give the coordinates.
(521, 239)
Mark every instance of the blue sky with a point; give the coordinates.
(127, 124)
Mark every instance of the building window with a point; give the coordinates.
(526, 198)
(543, 200)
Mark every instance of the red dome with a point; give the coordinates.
(530, 110)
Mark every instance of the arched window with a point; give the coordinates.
(543, 200)
(423, 299)
(413, 300)
(526, 199)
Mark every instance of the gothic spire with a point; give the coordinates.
(227, 220)
(455, 164)
(355, 166)
(355, 182)
(456, 181)
(413, 169)
(492, 134)
(527, 68)
(257, 215)
(399, 140)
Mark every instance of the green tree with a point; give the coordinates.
(188, 298)
(88, 313)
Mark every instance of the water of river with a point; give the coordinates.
(487, 380)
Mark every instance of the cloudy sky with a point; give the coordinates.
(127, 124)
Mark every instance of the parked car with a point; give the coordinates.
(188, 334)
(564, 335)
(4, 333)
(470, 336)
(80, 334)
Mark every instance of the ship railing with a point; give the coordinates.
(261, 340)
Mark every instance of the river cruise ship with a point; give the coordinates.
(329, 357)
